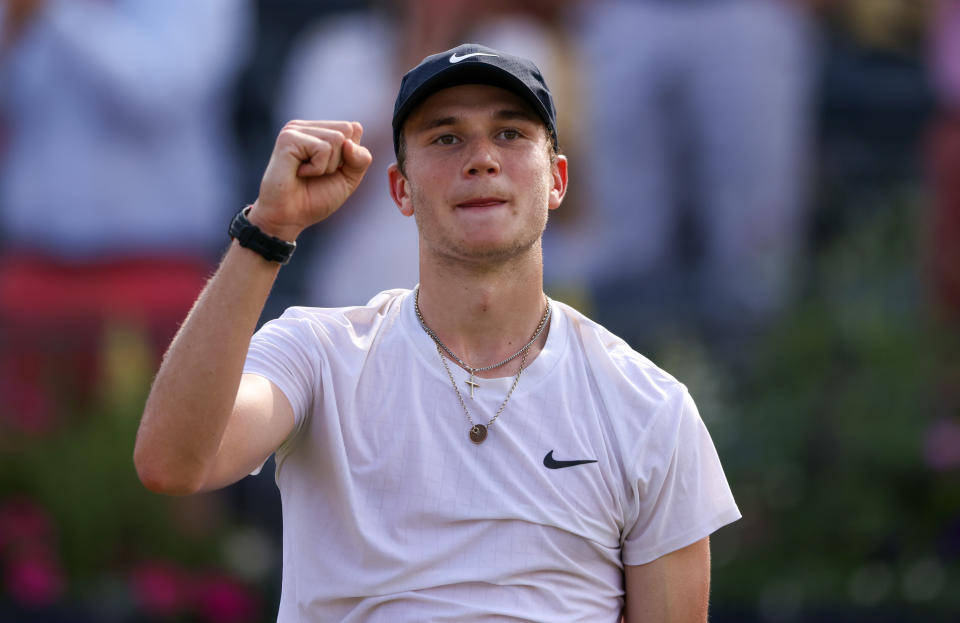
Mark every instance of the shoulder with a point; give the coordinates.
(348, 325)
(381, 306)
(617, 367)
(642, 405)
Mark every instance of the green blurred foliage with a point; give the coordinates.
(822, 437)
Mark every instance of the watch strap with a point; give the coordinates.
(252, 237)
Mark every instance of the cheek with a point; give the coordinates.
(423, 176)
(423, 197)
(416, 198)
(543, 182)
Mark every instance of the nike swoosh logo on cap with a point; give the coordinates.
(551, 463)
(456, 59)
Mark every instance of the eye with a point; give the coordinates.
(510, 134)
(446, 139)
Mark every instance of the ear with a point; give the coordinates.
(400, 190)
(559, 188)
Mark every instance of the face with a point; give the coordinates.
(479, 175)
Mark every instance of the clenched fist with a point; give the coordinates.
(314, 167)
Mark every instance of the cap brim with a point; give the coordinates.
(470, 73)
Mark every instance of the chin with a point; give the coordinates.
(496, 251)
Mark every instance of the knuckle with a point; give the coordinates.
(287, 134)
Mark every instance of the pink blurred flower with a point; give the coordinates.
(34, 577)
(27, 409)
(225, 600)
(942, 445)
(160, 588)
(23, 523)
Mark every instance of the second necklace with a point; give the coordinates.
(472, 381)
(478, 432)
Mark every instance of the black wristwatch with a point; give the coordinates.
(250, 236)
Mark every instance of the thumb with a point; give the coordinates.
(356, 159)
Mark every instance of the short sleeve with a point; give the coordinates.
(678, 491)
(280, 352)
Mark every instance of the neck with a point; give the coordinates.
(486, 313)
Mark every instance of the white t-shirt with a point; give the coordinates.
(391, 513)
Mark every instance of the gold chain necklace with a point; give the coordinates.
(478, 432)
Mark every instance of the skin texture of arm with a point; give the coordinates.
(675, 588)
(202, 427)
(206, 424)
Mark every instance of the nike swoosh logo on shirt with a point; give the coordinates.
(456, 59)
(551, 463)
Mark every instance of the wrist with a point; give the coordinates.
(256, 216)
(250, 236)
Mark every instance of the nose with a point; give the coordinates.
(481, 161)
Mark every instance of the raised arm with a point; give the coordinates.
(672, 589)
(205, 424)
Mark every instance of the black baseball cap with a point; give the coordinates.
(470, 63)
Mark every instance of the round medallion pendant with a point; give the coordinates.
(478, 433)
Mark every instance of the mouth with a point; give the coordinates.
(482, 202)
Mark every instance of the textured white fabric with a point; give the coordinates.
(391, 514)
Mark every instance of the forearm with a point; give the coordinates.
(193, 395)
(194, 433)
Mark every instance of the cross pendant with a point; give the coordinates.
(473, 384)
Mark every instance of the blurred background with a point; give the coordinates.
(764, 199)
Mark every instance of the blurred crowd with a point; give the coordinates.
(131, 130)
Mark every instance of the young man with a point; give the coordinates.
(466, 450)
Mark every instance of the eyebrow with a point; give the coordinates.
(505, 114)
(438, 122)
(508, 114)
